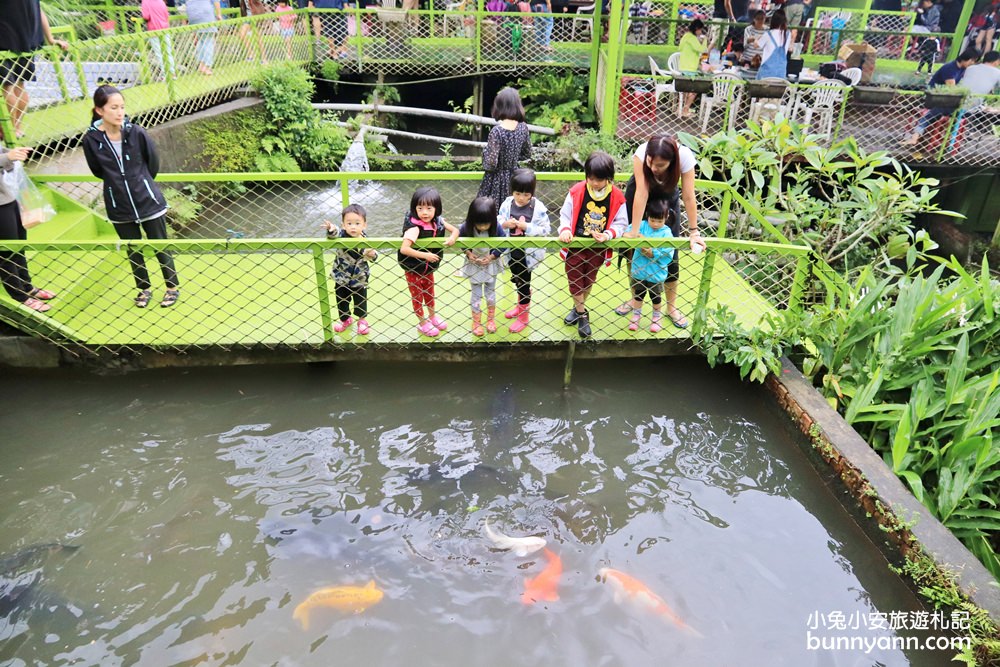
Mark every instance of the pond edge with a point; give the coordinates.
(913, 530)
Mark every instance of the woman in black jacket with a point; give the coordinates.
(124, 157)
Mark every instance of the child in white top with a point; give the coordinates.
(522, 215)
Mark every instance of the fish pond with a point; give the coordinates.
(335, 514)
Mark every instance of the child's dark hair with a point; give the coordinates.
(356, 209)
(428, 197)
(507, 105)
(523, 180)
(101, 97)
(759, 14)
(482, 210)
(599, 165)
(660, 209)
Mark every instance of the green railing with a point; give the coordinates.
(277, 292)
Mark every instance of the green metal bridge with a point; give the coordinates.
(276, 293)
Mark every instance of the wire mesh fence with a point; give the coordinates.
(909, 125)
(237, 291)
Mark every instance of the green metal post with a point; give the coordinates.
(672, 33)
(798, 282)
(840, 117)
(256, 45)
(61, 75)
(906, 38)
(953, 119)
(963, 21)
(359, 34)
(311, 32)
(480, 4)
(568, 368)
(345, 193)
(708, 266)
(612, 76)
(169, 71)
(323, 290)
(145, 71)
(595, 61)
(74, 55)
(727, 203)
(6, 123)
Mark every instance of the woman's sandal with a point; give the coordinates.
(41, 294)
(170, 297)
(142, 300)
(679, 320)
(624, 309)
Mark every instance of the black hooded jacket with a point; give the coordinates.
(130, 194)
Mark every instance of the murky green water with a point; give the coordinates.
(208, 504)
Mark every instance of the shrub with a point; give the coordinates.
(294, 126)
(230, 142)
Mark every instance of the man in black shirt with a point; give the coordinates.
(734, 10)
(23, 29)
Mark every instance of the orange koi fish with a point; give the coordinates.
(545, 586)
(344, 598)
(630, 589)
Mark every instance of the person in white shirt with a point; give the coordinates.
(983, 78)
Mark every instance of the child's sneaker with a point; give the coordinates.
(427, 328)
(363, 328)
(438, 323)
(633, 321)
(655, 327)
(342, 325)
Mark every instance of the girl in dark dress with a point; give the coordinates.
(506, 146)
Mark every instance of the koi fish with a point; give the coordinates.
(629, 589)
(344, 598)
(521, 546)
(545, 586)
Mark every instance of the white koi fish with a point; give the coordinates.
(521, 546)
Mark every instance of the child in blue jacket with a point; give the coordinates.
(649, 265)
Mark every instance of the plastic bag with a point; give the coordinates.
(35, 209)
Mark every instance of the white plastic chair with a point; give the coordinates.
(773, 106)
(588, 11)
(822, 99)
(674, 63)
(852, 73)
(727, 89)
(661, 88)
(453, 7)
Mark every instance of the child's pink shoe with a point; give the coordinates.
(363, 327)
(655, 326)
(439, 323)
(633, 322)
(427, 328)
(342, 325)
(513, 312)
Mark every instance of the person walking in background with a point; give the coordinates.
(797, 12)
(253, 8)
(154, 13)
(13, 264)
(23, 29)
(544, 23)
(332, 26)
(199, 12)
(286, 24)
(507, 144)
(777, 44)
(123, 156)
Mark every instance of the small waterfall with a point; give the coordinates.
(356, 158)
